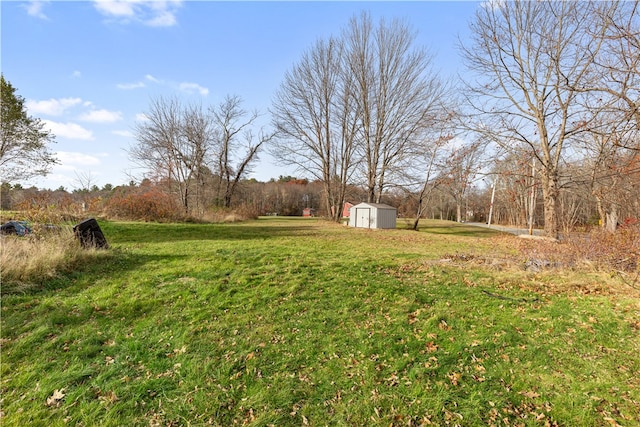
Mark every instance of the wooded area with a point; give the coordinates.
(543, 130)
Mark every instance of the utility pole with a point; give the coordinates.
(493, 196)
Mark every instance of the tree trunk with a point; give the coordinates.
(612, 219)
(550, 197)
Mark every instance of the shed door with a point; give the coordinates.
(363, 217)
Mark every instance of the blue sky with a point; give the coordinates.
(89, 69)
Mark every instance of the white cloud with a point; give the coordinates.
(68, 130)
(124, 133)
(101, 116)
(193, 87)
(154, 13)
(34, 8)
(115, 8)
(52, 107)
(492, 4)
(70, 158)
(152, 79)
(141, 117)
(129, 86)
(162, 19)
(76, 74)
(188, 87)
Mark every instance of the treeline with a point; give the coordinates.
(543, 130)
(516, 200)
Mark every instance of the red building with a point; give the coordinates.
(308, 212)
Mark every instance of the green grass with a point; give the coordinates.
(293, 321)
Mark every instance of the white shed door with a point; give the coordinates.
(363, 217)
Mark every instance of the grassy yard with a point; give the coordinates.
(299, 322)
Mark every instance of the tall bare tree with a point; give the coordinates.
(533, 58)
(617, 70)
(315, 116)
(173, 144)
(359, 102)
(396, 91)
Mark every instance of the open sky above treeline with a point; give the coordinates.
(89, 69)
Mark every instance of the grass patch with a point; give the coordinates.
(41, 259)
(295, 321)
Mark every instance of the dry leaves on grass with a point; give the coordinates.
(55, 400)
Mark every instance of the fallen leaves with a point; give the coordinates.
(530, 394)
(55, 400)
(431, 347)
(444, 325)
(454, 377)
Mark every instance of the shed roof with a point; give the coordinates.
(375, 205)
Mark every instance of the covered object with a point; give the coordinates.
(372, 215)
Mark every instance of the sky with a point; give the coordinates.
(90, 69)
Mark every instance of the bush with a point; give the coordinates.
(44, 209)
(145, 204)
(619, 251)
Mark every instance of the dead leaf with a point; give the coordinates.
(56, 398)
(454, 377)
(108, 398)
(431, 347)
(444, 326)
(530, 394)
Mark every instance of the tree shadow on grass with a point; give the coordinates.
(112, 264)
(461, 230)
(131, 233)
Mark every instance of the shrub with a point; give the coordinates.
(145, 203)
(44, 209)
(619, 251)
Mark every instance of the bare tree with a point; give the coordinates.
(84, 181)
(233, 132)
(173, 144)
(617, 70)
(535, 58)
(315, 117)
(395, 90)
(614, 172)
(362, 101)
(458, 173)
(613, 141)
(430, 164)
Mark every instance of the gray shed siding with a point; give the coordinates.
(372, 215)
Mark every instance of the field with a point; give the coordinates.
(284, 321)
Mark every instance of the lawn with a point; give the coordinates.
(290, 321)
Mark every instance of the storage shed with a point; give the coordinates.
(372, 215)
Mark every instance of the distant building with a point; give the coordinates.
(308, 212)
(372, 215)
(346, 209)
